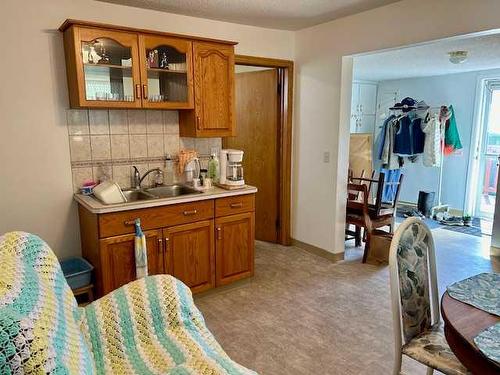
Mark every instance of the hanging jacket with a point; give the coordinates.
(451, 136)
(432, 145)
(380, 141)
(389, 159)
(409, 139)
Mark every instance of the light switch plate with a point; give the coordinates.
(326, 157)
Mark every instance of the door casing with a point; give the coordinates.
(285, 78)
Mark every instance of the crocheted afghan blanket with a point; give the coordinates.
(149, 326)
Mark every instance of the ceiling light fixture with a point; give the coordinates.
(457, 57)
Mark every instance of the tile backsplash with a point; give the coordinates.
(109, 142)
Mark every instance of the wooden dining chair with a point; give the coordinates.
(379, 214)
(356, 234)
(418, 332)
(357, 213)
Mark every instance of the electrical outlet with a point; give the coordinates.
(326, 157)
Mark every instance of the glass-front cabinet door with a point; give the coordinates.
(166, 72)
(109, 68)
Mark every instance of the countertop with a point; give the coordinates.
(96, 207)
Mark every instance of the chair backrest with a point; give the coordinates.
(39, 316)
(357, 202)
(368, 181)
(388, 190)
(414, 293)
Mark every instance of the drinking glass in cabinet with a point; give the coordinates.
(107, 69)
(167, 75)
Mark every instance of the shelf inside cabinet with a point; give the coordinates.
(107, 66)
(167, 70)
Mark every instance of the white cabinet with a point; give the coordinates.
(363, 107)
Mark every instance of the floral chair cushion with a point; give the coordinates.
(412, 261)
(431, 349)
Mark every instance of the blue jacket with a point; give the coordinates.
(409, 139)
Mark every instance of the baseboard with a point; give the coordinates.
(495, 251)
(334, 257)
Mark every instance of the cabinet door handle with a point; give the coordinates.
(219, 233)
(129, 222)
(138, 91)
(166, 243)
(190, 213)
(160, 245)
(236, 205)
(145, 91)
(198, 123)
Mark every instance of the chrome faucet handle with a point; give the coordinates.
(137, 178)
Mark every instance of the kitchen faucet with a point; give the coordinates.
(137, 176)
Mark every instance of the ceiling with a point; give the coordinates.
(275, 14)
(430, 59)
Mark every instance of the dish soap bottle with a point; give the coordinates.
(168, 178)
(213, 167)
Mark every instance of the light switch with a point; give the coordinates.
(326, 157)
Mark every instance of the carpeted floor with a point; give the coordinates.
(302, 314)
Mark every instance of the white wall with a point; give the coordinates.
(320, 189)
(495, 238)
(458, 90)
(35, 186)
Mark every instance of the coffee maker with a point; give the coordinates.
(231, 170)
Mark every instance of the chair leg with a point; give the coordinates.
(397, 364)
(430, 371)
(357, 237)
(367, 247)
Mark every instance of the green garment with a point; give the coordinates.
(451, 136)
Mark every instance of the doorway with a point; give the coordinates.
(263, 105)
(489, 152)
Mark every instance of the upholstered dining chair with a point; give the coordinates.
(149, 326)
(418, 332)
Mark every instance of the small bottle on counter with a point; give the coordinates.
(213, 168)
(168, 178)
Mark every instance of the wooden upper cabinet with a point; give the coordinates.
(102, 67)
(213, 114)
(121, 67)
(166, 72)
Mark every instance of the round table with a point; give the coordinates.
(463, 322)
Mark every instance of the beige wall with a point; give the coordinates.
(35, 187)
(36, 183)
(319, 188)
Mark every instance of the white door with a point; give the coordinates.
(489, 157)
(385, 100)
(367, 124)
(355, 108)
(368, 98)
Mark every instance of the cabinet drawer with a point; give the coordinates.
(234, 205)
(116, 223)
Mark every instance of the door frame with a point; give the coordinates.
(285, 78)
(481, 110)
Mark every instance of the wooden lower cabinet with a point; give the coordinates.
(204, 244)
(190, 254)
(234, 247)
(118, 258)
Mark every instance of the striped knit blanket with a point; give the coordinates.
(149, 326)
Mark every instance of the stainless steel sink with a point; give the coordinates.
(165, 191)
(169, 191)
(138, 195)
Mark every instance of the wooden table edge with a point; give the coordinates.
(463, 347)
